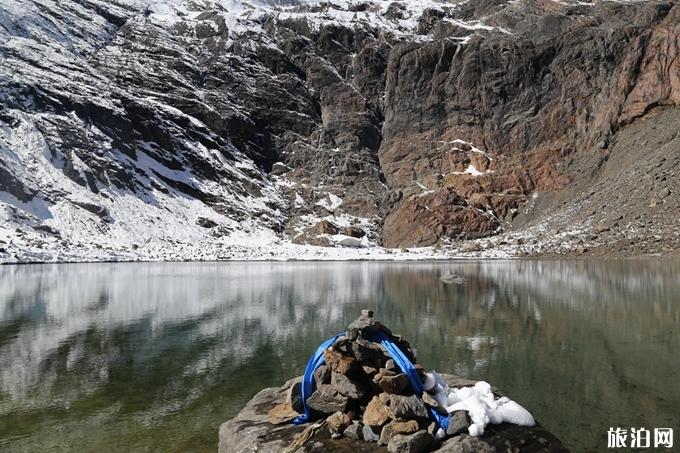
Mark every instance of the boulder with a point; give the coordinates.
(369, 434)
(405, 407)
(376, 413)
(324, 227)
(418, 442)
(397, 427)
(469, 247)
(345, 386)
(353, 231)
(340, 363)
(458, 424)
(354, 431)
(322, 375)
(338, 422)
(327, 400)
(392, 383)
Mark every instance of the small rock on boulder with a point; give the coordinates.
(397, 427)
(376, 413)
(412, 443)
(459, 423)
(338, 422)
(327, 400)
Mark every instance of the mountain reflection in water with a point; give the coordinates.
(142, 357)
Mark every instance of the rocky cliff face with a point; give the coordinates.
(133, 128)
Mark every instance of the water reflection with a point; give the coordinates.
(155, 356)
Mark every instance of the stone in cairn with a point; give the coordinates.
(363, 394)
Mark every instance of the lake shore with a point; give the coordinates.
(557, 245)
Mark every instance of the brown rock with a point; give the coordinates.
(340, 363)
(353, 231)
(338, 422)
(391, 383)
(601, 227)
(480, 161)
(376, 413)
(422, 220)
(325, 227)
(281, 413)
(397, 427)
(369, 371)
(432, 402)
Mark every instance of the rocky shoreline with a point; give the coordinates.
(617, 239)
(355, 397)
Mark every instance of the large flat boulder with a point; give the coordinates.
(250, 431)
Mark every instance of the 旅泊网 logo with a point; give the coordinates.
(640, 438)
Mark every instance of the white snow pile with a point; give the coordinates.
(479, 402)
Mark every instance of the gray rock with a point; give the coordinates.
(663, 193)
(364, 324)
(466, 444)
(369, 435)
(406, 407)
(279, 168)
(411, 443)
(369, 353)
(345, 386)
(392, 383)
(459, 423)
(322, 375)
(294, 396)
(327, 400)
(205, 222)
(432, 402)
(469, 247)
(354, 431)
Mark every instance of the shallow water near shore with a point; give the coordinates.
(153, 357)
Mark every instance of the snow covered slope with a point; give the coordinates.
(217, 129)
(121, 137)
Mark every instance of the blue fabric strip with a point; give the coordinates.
(308, 379)
(410, 371)
(392, 349)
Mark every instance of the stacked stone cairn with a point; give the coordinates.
(363, 395)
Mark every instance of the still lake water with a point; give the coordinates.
(153, 357)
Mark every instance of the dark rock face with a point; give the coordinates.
(291, 121)
(565, 79)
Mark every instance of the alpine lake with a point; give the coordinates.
(152, 357)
